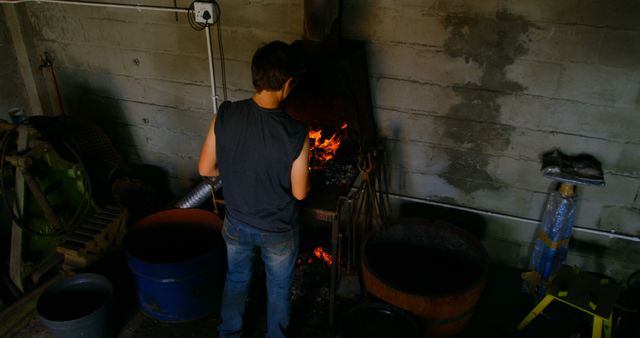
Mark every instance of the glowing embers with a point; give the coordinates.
(324, 148)
(325, 256)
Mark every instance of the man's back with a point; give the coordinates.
(256, 148)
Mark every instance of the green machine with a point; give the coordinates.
(54, 175)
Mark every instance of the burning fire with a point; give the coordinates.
(325, 148)
(325, 256)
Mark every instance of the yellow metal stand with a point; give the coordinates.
(583, 291)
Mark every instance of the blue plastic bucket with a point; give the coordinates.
(78, 306)
(178, 261)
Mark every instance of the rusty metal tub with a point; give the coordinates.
(434, 270)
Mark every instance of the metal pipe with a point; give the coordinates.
(199, 193)
(211, 73)
(102, 4)
(611, 233)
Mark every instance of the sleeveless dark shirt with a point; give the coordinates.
(255, 149)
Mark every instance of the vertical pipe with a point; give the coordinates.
(211, 70)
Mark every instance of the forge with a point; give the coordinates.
(333, 97)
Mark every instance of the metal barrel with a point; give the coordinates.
(178, 262)
(200, 192)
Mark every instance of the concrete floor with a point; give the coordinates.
(499, 310)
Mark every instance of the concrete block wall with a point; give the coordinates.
(467, 95)
(143, 75)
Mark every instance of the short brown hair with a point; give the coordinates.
(271, 66)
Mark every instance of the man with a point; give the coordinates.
(262, 156)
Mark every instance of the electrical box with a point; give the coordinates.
(203, 12)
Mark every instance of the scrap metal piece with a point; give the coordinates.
(579, 169)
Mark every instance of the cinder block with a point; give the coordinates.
(543, 10)
(547, 114)
(532, 144)
(78, 85)
(414, 96)
(522, 143)
(621, 219)
(174, 94)
(433, 159)
(397, 24)
(416, 157)
(409, 127)
(180, 168)
(538, 78)
(620, 49)
(447, 132)
(501, 198)
(257, 15)
(503, 229)
(170, 38)
(599, 85)
(241, 43)
(157, 92)
(182, 121)
(160, 140)
(421, 185)
(238, 75)
(136, 63)
(619, 190)
(604, 13)
(485, 8)
(52, 26)
(588, 211)
(421, 64)
(509, 200)
(519, 173)
(564, 43)
(149, 30)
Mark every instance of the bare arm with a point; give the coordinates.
(300, 182)
(208, 165)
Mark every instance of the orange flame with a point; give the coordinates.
(325, 256)
(324, 150)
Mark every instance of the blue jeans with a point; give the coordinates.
(278, 252)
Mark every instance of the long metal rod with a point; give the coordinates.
(102, 4)
(214, 99)
(611, 233)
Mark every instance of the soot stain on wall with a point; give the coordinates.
(473, 124)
